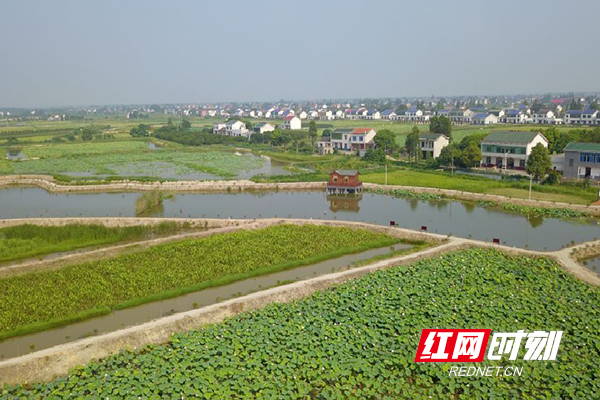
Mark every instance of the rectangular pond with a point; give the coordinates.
(444, 217)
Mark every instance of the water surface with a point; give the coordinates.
(444, 217)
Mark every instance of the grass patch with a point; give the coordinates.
(50, 298)
(28, 240)
(443, 180)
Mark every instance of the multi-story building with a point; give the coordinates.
(431, 144)
(503, 149)
(582, 161)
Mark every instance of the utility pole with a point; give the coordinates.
(386, 174)
(530, 184)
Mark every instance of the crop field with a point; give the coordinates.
(129, 158)
(39, 300)
(22, 241)
(358, 340)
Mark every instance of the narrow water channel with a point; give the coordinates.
(20, 345)
(444, 217)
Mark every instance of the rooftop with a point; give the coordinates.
(346, 172)
(433, 136)
(580, 146)
(510, 137)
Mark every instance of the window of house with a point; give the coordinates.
(346, 179)
(335, 179)
(571, 162)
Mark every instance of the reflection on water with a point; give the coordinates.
(443, 217)
(15, 154)
(592, 264)
(340, 202)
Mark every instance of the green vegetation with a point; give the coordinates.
(147, 201)
(23, 241)
(539, 163)
(132, 158)
(40, 300)
(409, 194)
(358, 340)
(444, 180)
(536, 211)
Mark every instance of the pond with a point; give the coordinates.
(592, 263)
(444, 217)
(119, 319)
(15, 155)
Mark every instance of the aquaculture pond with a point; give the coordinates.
(438, 216)
(119, 319)
(592, 263)
(137, 159)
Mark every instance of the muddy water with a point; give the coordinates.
(136, 315)
(592, 264)
(444, 217)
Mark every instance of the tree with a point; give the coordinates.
(185, 124)
(576, 105)
(326, 133)
(375, 155)
(312, 133)
(412, 143)
(88, 133)
(539, 162)
(170, 122)
(447, 155)
(441, 124)
(471, 155)
(386, 140)
(142, 130)
(280, 138)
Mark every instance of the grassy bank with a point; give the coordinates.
(443, 180)
(24, 241)
(358, 340)
(39, 300)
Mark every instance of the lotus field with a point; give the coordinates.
(129, 159)
(358, 340)
(39, 300)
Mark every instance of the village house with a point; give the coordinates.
(582, 161)
(387, 114)
(514, 117)
(373, 114)
(292, 122)
(237, 128)
(581, 117)
(325, 146)
(325, 115)
(350, 140)
(509, 150)
(431, 144)
(461, 117)
(544, 116)
(219, 128)
(344, 181)
(485, 119)
(302, 114)
(415, 115)
(263, 127)
(339, 114)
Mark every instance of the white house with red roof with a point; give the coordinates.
(292, 122)
(349, 140)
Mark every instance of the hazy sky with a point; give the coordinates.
(120, 52)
